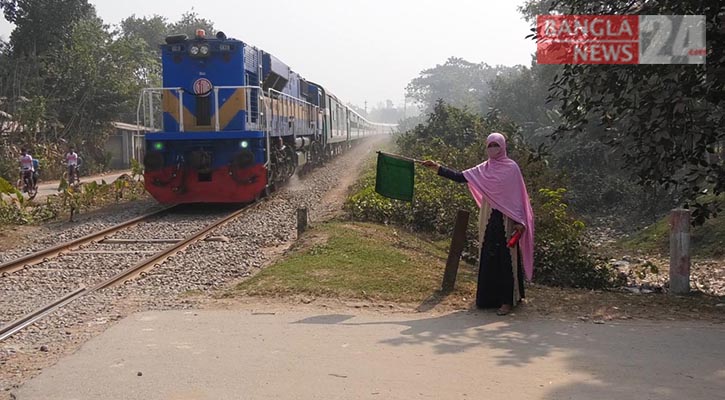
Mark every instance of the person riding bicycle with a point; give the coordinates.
(36, 172)
(72, 161)
(27, 167)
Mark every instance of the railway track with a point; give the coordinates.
(47, 254)
(135, 270)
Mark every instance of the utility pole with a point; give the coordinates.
(366, 108)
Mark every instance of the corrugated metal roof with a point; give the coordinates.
(129, 127)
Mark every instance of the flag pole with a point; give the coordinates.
(400, 157)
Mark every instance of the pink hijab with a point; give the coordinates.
(499, 182)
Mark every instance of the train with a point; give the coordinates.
(231, 122)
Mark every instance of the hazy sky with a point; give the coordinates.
(361, 50)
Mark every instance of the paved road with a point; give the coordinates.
(306, 355)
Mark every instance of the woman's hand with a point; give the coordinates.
(519, 228)
(431, 164)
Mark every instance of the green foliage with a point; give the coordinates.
(76, 198)
(15, 209)
(707, 240)
(191, 21)
(457, 138)
(561, 252)
(65, 76)
(521, 95)
(598, 181)
(122, 184)
(150, 30)
(633, 141)
(457, 82)
(664, 120)
(6, 188)
(432, 210)
(600, 184)
(453, 136)
(43, 25)
(136, 169)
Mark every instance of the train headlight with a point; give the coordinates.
(158, 146)
(244, 144)
(204, 50)
(194, 50)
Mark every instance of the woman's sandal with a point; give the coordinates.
(504, 310)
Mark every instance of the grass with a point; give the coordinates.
(652, 239)
(361, 261)
(708, 240)
(379, 263)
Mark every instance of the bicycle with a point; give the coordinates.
(72, 176)
(28, 184)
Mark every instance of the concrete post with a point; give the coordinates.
(680, 251)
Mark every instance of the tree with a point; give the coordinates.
(95, 79)
(65, 75)
(189, 23)
(522, 93)
(386, 113)
(666, 121)
(458, 82)
(151, 30)
(72, 90)
(42, 25)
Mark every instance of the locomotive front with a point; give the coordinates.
(210, 146)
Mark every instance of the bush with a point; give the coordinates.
(599, 185)
(457, 138)
(561, 252)
(15, 209)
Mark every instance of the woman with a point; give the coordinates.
(499, 190)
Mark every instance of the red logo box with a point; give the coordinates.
(587, 39)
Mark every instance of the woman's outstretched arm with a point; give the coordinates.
(451, 174)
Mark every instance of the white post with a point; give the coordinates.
(680, 251)
(151, 107)
(181, 110)
(216, 108)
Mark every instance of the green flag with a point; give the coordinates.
(395, 177)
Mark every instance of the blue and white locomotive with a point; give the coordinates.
(234, 121)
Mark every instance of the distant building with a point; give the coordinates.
(125, 144)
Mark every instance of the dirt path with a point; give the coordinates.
(333, 201)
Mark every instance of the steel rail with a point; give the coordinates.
(44, 255)
(27, 320)
(161, 256)
(123, 276)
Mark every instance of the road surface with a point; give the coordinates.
(314, 355)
